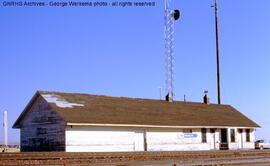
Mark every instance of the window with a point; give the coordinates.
(247, 135)
(203, 135)
(212, 130)
(41, 131)
(187, 131)
(232, 135)
(240, 130)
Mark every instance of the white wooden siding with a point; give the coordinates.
(139, 140)
(240, 140)
(175, 140)
(213, 138)
(103, 139)
(233, 145)
(113, 139)
(250, 144)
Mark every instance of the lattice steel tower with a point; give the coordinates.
(170, 17)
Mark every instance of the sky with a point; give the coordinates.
(119, 51)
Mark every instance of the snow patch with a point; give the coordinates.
(60, 102)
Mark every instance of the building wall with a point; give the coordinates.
(236, 144)
(240, 139)
(100, 139)
(42, 129)
(176, 140)
(103, 139)
(246, 144)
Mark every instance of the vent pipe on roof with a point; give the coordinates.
(206, 99)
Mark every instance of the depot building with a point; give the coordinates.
(73, 122)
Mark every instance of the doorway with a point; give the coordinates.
(213, 139)
(139, 141)
(240, 144)
(224, 140)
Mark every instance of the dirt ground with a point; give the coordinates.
(195, 158)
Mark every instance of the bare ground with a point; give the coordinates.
(195, 158)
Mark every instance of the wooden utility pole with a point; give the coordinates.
(217, 52)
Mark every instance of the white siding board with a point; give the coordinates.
(240, 140)
(233, 145)
(218, 138)
(139, 140)
(129, 140)
(116, 139)
(249, 145)
(175, 141)
(100, 139)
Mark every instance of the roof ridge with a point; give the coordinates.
(125, 97)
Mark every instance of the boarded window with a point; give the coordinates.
(247, 135)
(203, 135)
(41, 131)
(232, 135)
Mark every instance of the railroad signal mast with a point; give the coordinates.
(170, 17)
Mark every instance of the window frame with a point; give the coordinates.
(248, 135)
(204, 135)
(187, 130)
(232, 135)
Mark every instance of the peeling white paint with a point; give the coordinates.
(50, 98)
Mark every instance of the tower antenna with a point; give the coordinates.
(170, 17)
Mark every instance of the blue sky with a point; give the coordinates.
(120, 52)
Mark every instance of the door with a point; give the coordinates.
(213, 139)
(240, 144)
(224, 140)
(139, 141)
(224, 136)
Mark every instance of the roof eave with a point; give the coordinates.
(17, 125)
(153, 126)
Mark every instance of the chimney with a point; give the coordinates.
(206, 99)
(168, 98)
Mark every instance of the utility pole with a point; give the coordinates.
(5, 125)
(217, 51)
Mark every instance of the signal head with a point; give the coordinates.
(176, 14)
